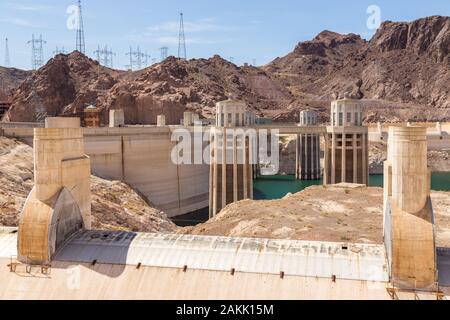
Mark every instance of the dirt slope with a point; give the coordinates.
(115, 206)
(341, 214)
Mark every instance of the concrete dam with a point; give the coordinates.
(141, 157)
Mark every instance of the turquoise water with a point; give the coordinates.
(440, 181)
(276, 187)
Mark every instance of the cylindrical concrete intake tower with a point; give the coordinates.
(231, 174)
(410, 174)
(347, 145)
(308, 149)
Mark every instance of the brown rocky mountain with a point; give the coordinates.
(10, 80)
(401, 74)
(64, 83)
(68, 83)
(405, 67)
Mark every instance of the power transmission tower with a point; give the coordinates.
(130, 54)
(7, 60)
(59, 51)
(80, 44)
(98, 52)
(231, 59)
(254, 62)
(164, 53)
(182, 40)
(138, 59)
(109, 54)
(146, 58)
(37, 52)
(105, 56)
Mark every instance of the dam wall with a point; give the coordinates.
(141, 157)
(438, 134)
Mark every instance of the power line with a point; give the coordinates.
(182, 40)
(105, 56)
(146, 59)
(37, 52)
(138, 59)
(80, 43)
(7, 60)
(164, 53)
(59, 51)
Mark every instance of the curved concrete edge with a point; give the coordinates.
(413, 246)
(44, 227)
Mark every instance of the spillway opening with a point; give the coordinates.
(192, 219)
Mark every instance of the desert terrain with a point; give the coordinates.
(346, 213)
(115, 206)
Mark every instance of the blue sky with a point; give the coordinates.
(243, 29)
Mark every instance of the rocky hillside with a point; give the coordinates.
(68, 83)
(115, 206)
(10, 80)
(405, 67)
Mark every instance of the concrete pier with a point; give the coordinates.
(347, 145)
(161, 121)
(116, 118)
(409, 219)
(60, 203)
(188, 119)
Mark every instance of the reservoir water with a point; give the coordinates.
(276, 187)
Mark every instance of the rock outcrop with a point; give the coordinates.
(10, 80)
(65, 85)
(429, 36)
(405, 67)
